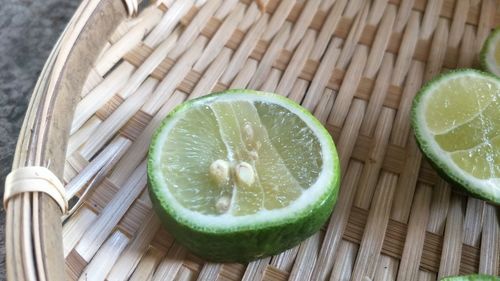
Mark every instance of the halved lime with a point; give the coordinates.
(490, 53)
(473, 277)
(456, 119)
(242, 174)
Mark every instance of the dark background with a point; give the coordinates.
(28, 30)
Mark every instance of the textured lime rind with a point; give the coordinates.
(245, 243)
(488, 46)
(456, 179)
(472, 277)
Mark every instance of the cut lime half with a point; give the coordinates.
(490, 53)
(242, 174)
(456, 119)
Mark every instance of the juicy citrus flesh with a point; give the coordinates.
(461, 115)
(242, 161)
(283, 152)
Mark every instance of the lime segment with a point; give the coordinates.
(456, 119)
(242, 174)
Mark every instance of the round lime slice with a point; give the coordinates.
(490, 53)
(242, 174)
(456, 119)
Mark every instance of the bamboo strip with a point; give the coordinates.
(243, 78)
(176, 74)
(348, 87)
(219, 39)
(328, 27)
(171, 264)
(93, 79)
(127, 262)
(101, 94)
(267, 61)
(386, 269)
(74, 229)
(167, 24)
(75, 265)
(408, 44)
(458, 22)
(401, 128)
(253, 13)
(439, 207)
(274, 274)
(473, 221)
(296, 64)
(374, 163)
(194, 28)
(342, 269)
(74, 164)
(373, 236)
(225, 9)
(145, 269)
(453, 236)
(284, 261)
(147, 20)
(490, 245)
(377, 11)
(430, 19)
(337, 224)
(353, 8)
(117, 119)
(412, 252)
(408, 181)
(380, 43)
(352, 39)
(120, 31)
(306, 258)
(209, 272)
(232, 271)
(426, 275)
(322, 111)
(99, 165)
(436, 54)
(278, 18)
(255, 269)
(82, 135)
(378, 96)
(184, 275)
(112, 213)
(467, 54)
(213, 73)
(324, 72)
(302, 24)
(101, 264)
(246, 47)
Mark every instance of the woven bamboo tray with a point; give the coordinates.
(355, 64)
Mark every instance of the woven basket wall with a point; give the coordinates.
(355, 64)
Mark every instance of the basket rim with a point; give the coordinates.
(43, 139)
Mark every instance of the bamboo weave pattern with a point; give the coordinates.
(355, 64)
